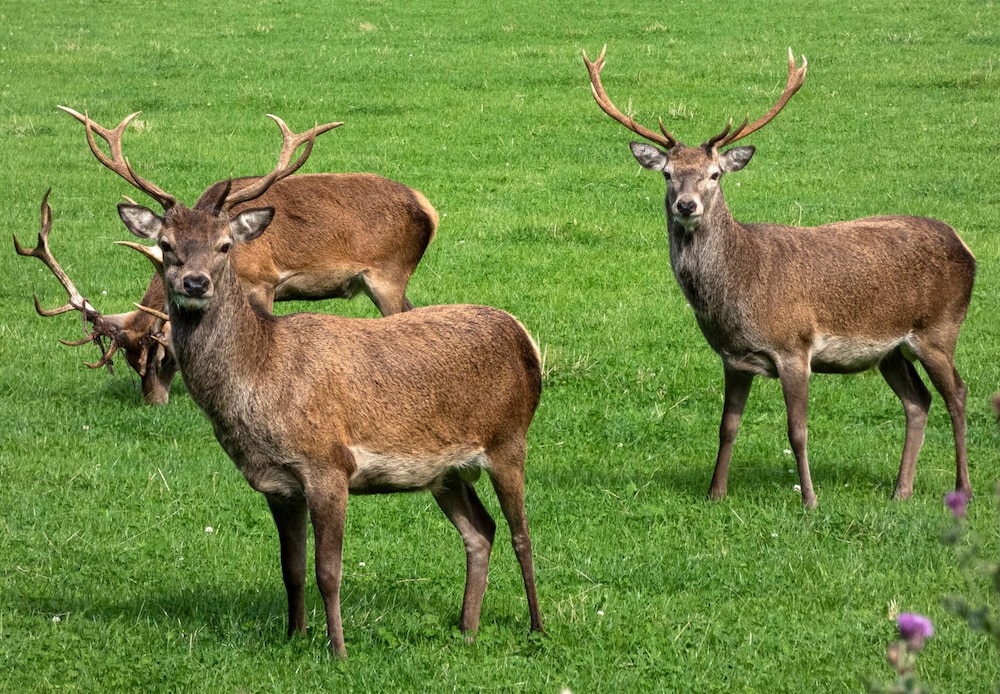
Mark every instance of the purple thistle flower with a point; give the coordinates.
(914, 628)
(956, 501)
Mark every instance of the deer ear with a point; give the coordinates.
(140, 220)
(648, 156)
(736, 158)
(249, 224)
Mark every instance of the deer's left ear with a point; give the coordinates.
(736, 158)
(249, 224)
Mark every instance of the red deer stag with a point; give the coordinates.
(784, 302)
(333, 235)
(312, 408)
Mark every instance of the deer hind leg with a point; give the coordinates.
(795, 388)
(387, 292)
(291, 518)
(328, 511)
(737, 390)
(507, 476)
(463, 508)
(902, 377)
(940, 367)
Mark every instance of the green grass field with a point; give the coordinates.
(136, 558)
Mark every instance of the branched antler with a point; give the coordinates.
(601, 97)
(117, 162)
(796, 77)
(290, 143)
(102, 328)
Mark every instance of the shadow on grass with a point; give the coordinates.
(390, 611)
(752, 478)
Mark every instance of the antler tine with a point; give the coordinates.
(117, 161)
(290, 143)
(601, 97)
(41, 251)
(796, 77)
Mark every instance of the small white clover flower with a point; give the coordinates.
(797, 488)
(56, 619)
(600, 613)
(209, 529)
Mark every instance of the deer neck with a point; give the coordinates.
(706, 260)
(220, 348)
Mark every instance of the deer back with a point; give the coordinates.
(327, 229)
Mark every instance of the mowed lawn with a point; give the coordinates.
(136, 558)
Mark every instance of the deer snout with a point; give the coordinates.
(196, 286)
(686, 211)
(686, 207)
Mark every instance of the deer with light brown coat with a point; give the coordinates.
(332, 236)
(784, 302)
(312, 408)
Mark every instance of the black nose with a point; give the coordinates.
(196, 286)
(686, 207)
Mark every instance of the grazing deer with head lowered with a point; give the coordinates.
(784, 302)
(312, 408)
(333, 235)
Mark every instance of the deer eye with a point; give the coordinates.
(224, 248)
(666, 175)
(714, 176)
(165, 246)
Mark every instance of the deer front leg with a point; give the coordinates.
(328, 511)
(795, 387)
(459, 502)
(737, 390)
(291, 518)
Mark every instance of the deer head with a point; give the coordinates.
(692, 173)
(192, 246)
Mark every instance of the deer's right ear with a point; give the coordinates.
(648, 156)
(140, 220)
(249, 224)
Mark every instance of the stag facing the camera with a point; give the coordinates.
(784, 302)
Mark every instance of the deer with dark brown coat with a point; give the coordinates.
(312, 408)
(784, 302)
(332, 236)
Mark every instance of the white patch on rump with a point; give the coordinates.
(392, 471)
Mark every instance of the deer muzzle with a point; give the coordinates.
(687, 212)
(194, 292)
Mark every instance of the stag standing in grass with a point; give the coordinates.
(333, 235)
(314, 407)
(783, 302)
